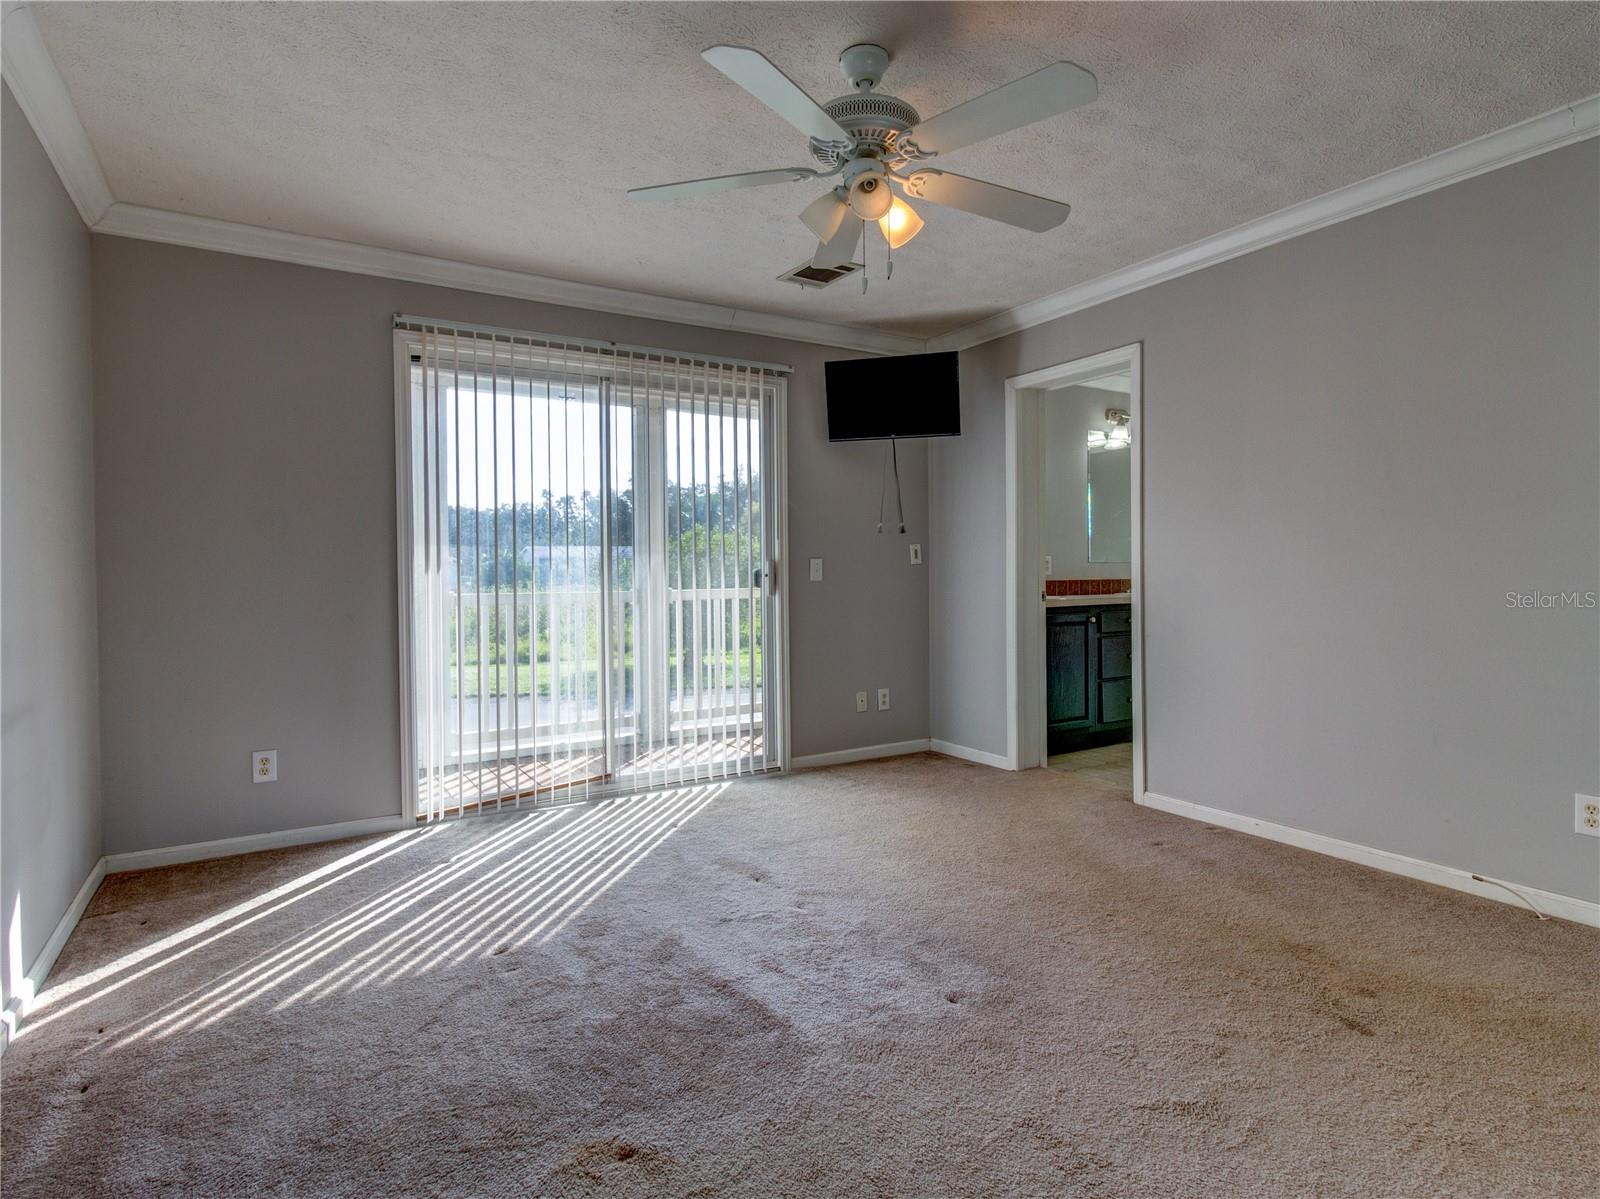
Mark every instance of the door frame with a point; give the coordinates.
(1026, 723)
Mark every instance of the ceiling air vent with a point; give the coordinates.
(807, 275)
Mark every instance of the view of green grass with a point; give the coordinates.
(497, 677)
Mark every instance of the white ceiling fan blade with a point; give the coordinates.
(840, 248)
(986, 199)
(824, 215)
(754, 72)
(719, 183)
(1045, 93)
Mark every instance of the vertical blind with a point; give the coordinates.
(592, 531)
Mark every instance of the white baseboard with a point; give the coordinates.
(200, 851)
(16, 1006)
(29, 986)
(862, 753)
(951, 750)
(1567, 907)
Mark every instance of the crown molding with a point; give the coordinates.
(43, 97)
(1526, 139)
(252, 241)
(31, 72)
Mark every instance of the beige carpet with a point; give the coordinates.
(909, 978)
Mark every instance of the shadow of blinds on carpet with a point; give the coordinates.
(587, 550)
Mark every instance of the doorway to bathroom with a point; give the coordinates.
(1075, 623)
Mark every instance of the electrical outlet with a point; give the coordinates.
(861, 701)
(816, 570)
(1049, 566)
(264, 766)
(1586, 818)
(883, 699)
(916, 553)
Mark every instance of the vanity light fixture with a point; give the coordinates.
(1117, 436)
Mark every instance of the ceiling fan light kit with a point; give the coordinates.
(872, 143)
(900, 224)
(868, 186)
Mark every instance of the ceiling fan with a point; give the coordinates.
(872, 142)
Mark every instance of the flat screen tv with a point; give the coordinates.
(912, 395)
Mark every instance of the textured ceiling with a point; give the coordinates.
(506, 134)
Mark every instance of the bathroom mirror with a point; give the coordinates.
(1109, 501)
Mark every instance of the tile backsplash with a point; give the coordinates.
(1087, 586)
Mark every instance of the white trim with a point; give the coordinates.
(46, 960)
(45, 101)
(778, 435)
(252, 241)
(1502, 148)
(43, 98)
(1026, 725)
(405, 560)
(861, 753)
(1552, 130)
(29, 986)
(200, 851)
(982, 757)
(1551, 903)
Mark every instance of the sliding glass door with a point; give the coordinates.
(589, 536)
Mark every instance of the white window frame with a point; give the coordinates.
(776, 643)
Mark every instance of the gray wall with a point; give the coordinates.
(247, 540)
(49, 749)
(1355, 444)
(1066, 414)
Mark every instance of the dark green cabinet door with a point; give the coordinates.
(1116, 704)
(1116, 655)
(1067, 667)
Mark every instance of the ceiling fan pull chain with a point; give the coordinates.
(864, 240)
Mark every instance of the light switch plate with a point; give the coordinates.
(264, 766)
(816, 570)
(1049, 566)
(916, 553)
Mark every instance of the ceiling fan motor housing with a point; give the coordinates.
(872, 119)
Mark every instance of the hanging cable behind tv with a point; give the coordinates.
(891, 462)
